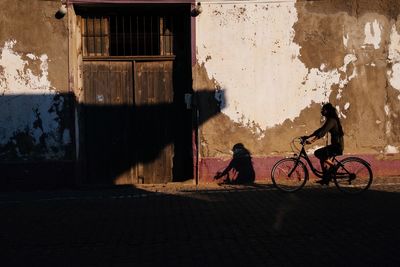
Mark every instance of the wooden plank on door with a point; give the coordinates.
(154, 101)
(94, 97)
(121, 103)
(108, 118)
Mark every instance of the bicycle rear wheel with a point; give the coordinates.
(353, 175)
(289, 175)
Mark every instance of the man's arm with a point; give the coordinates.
(319, 133)
(329, 124)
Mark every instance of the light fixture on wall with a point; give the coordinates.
(197, 10)
(63, 9)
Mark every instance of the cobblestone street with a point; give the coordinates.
(209, 225)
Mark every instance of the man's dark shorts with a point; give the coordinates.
(328, 151)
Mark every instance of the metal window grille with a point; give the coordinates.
(126, 35)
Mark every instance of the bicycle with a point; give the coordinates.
(350, 175)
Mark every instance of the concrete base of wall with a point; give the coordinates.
(382, 166)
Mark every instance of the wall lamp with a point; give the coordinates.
(197, 10)
(62, 11)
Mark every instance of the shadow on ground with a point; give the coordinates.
(253, 226)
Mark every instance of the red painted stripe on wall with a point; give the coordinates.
(382, 166)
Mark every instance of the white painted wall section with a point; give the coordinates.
(373, 32)
(27, 98)
(389, 149)
(249, 50)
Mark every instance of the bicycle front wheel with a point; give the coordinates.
(353, 175)
(289, 175)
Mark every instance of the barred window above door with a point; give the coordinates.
(127, 35)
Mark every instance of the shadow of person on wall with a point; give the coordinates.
(240, 169)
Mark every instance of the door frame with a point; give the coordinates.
(75, 81)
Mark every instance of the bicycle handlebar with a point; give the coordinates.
(302, 140)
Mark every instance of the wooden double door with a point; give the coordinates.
(128, 121)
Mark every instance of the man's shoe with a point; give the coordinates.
(325, 178)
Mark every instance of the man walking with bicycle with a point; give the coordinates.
(333, 126)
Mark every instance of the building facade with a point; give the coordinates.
(127, 92)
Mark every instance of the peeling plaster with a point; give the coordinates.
(253, 66)
(31, 106)
(388, 129)
(16, 77)
(387, 110)
(373, 31)
(394, 59)
(389, 149)
(345, 40)
(340, 113)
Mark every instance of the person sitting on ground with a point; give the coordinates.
(241, 166)
(325, 154)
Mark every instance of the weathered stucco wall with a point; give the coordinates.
(35, 121)
(271, 65)
(278, 61)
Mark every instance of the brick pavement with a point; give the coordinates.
(209, 225)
